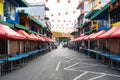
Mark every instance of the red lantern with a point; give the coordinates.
(73, 11)
(68, 1)
(52, 20)
(99, 2)
(38, 16)
(108, 3)
(58, 1)
(46, 0)
(66, 13)
(89, 2)
(51, 14)
(59, 14)
(91, 8)
(32, 16)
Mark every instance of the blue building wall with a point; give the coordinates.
(8, 11)
(103, 28)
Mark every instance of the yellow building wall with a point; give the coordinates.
(97, 6)
(56, 34)
(25, 20)
(59, 34)
(1, 7)
(95, 26)
(26, 23)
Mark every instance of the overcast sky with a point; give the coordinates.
(62, 7)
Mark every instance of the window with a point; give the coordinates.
(115, 15)
(10, 10)
(94, 3)
(22, 22)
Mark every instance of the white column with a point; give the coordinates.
(20, 46)
(98, 43)
(88, 44)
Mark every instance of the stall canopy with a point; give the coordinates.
(81, 38)
(7, 32)
(88, 37)
(46, 39)
(108, 33)
(98, 34)
(78, 39)
(84, 37)
(116, 34)
(35, 37)
(71, 40)
(28, 37)
(41, 38)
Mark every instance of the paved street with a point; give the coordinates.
(63, 64)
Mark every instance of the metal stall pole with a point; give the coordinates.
(97, 50)
(109, 52)
(88, 47)
(118, 63)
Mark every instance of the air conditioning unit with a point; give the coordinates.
(2, 18)
(22, 11)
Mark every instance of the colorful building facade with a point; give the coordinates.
(36, 12)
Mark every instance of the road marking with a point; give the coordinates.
(89, 66)
(98, 77)
(69, 56)
(71, 66)
(85, 67)
(94, 72)
(80, 75)
(70, 60)
(58, 65)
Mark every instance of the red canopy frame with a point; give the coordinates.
(88, 37)
(28, 37)
(108, 33)
(95, 36)
(116, 34)
(7, 32)
(41, 38)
